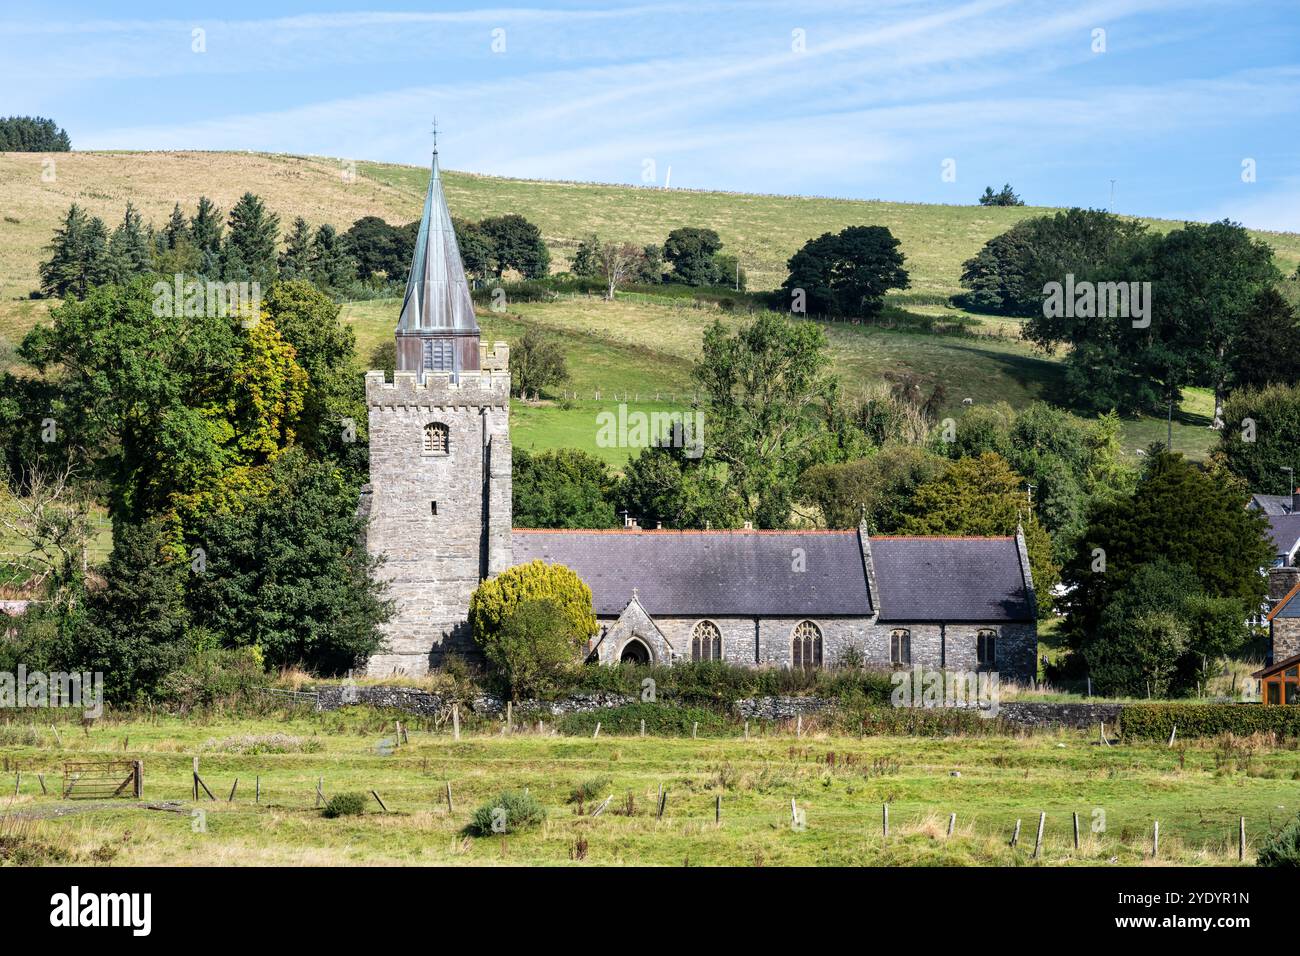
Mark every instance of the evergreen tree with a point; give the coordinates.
(332, 266)
(586, 260)
(295, 259)
(177, 230)
(249, 251)
(32, 134)
(129, 249)
(206, 233)
(79, 258)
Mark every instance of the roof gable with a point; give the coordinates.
(950, 579)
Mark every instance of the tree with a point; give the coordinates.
(1267, 350)
(333, 423)
(289, 572)
(1177, 513)
(534, 647)
(562, 488)
(586, 259)
(998, 276)
(135, 631)
(767, 385)
(537, 363)
(332, 267)
(848, 273)
(665, 485)
(206, 231)
(47, 510)
(877, 490)
(79, 257)
(690, 251)
(616, 263)
(129, 251)
(249, 251)
(32, 134)
(1262, 437)
(516, 244)
(495, 600)
(1005, 196)
(983, 496)
(295, 259)
(177, 230)
(381, 248)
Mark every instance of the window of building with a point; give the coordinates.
(986, 649)
(437, 439)
(900, 648)
(807, 645)
(706, 642)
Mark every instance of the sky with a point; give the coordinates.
(1182, 109)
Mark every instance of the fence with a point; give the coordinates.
(103, 779)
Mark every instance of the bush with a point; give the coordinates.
(590, 789)
(915, 721)
(661, 720)
(532, 649)
(718, 683)
(1156, 721)
(345, 805)
(213, 674)
(521, 811)
(496, 599)
(1282, 849)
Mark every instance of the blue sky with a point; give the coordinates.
(869, 105)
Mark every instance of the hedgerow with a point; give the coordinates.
(661, 720)
(1157, 721)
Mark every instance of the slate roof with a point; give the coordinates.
(1288, 606)
(1285, 532)
(724, 573)
(1272, 504)
(749, 573)
(950, 579)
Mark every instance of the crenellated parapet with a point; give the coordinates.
(489, 387)
(495, 359)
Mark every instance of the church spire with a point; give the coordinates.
(437, 330)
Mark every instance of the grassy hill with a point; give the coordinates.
(642, 345)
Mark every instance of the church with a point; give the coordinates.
(438, 511)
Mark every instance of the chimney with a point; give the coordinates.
(1280, 582)
(749, 526)
(629, 522)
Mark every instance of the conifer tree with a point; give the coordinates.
(249, 250)
(205, 233)
(78, 255)
(129, 249)
(332, 266)
(295, 260)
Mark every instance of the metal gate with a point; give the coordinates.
(103, 779)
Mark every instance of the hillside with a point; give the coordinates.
(643, 344)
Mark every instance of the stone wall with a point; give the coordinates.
(1286, 637)
(1028, 714)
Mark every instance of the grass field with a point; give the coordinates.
(1197, 792)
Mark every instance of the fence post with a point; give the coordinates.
(137, 769)
(1241, 840)
(450, 807)
(1015, 835)
(257, 794)
(884, 818)
(1155, 840)
(455, 721)
(952, 823)
(717, 811)
(1038, 842)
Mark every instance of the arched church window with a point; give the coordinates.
(807, 645)
(706, 642)
(900, 647)
(986, 649)
(437, 439)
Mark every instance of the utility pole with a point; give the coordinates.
(1112, 195)
(1290, 480)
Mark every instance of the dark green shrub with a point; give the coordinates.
(345, 805)
(1282, 849)
(661, 720)
(915, 721)
(1156, 721)
(510, 812)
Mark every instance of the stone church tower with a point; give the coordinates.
(439, 499)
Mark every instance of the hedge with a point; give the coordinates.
(1157, 721)
(661, 720)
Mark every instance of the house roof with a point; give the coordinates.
(725, 573)
(1276, 666)
(1285, 532)
(755, 573)
(1272, 504)
(950, 579)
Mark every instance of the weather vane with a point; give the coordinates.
(435, 134)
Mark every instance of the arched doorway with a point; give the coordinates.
(634, 652)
